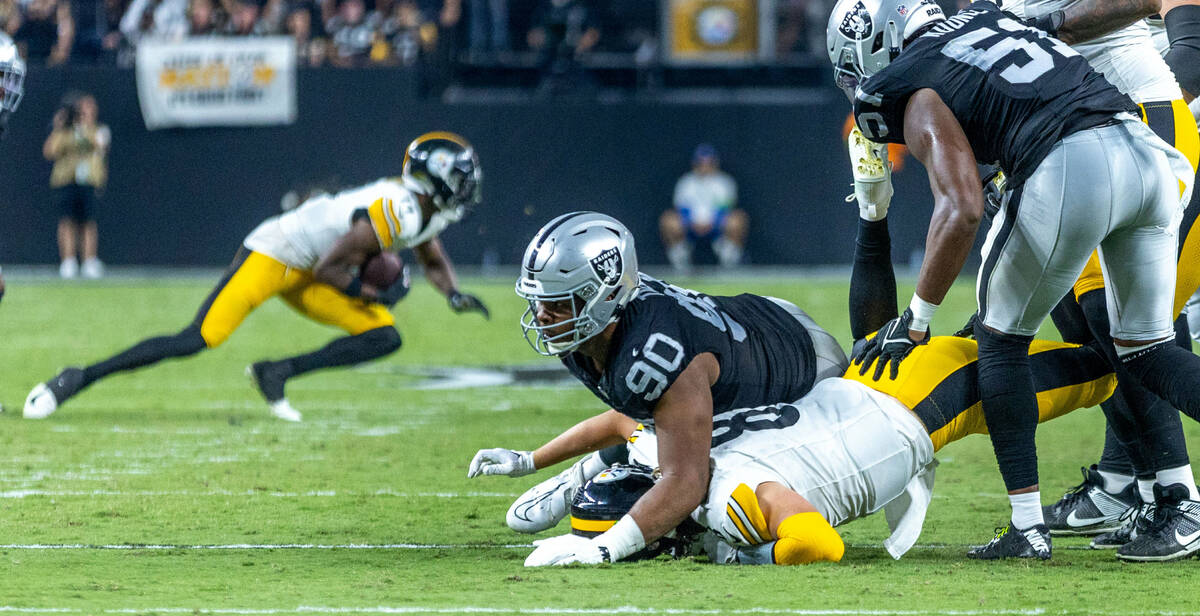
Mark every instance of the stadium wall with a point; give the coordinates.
(189, 196)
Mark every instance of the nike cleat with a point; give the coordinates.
(1136, 520)
(268, 378)
(1033, 542)
(546, 503)
(1175, 532)
(46, 397)
(1087, 509)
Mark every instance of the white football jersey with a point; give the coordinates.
(1126, 57)
(300, 237)
(847, 449)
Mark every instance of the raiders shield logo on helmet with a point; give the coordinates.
(857, 23)
(608, 266)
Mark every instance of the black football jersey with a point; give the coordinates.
(1014, 90)
(765, 354)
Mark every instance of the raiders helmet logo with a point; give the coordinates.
(608, 266)
(857, 23)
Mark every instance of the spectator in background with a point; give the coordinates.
(10, 17)
(47, 32)
(564, 31)
(78, 146)
(408, 34)
(488, 25)
(273, 19)
(353, 33)
(97, 29)
(243, 17)
(155, 19)
(311, 46)
(203, 19)
(704, 210)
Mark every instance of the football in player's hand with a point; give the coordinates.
(381, 270)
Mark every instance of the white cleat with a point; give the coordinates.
(872, 175)
(548, 502)
(40, 403)
(283, 409)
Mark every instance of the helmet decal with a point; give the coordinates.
(608, 266)
(857, 23)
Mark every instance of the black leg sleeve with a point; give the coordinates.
(1141, 421)
(872, 281)
(1183, 30)
(1009, 404)
(1170, 372)
(1115, 458)
(1072, 325)
(147, 352)
(346, 351)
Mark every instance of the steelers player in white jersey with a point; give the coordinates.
(783, 475)
(309, 257)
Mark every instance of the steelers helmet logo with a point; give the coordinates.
(857, 23)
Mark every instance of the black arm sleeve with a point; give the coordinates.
(1183, 30)
(872, 281)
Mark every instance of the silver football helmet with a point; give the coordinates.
(444, 166)
(587, 258)
(864, 36)
(12, 75)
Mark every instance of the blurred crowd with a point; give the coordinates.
(352, 33)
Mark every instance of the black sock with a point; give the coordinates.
(346, 351)
(1072, 324)
(872, 281)
(149, 351)
(1009, 404)
(1115, 458)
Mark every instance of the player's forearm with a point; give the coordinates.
(1086, 20)
(669, 503)
(592, 434)
(438, 269)
(951, 236)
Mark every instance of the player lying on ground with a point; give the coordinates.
(980, 87)
(791, 471)
(308, 257)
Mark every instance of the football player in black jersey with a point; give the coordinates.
(981, 87)
(665, 356)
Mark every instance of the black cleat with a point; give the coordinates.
(1033, 542)
(47, 397)
(269, 378)
(1087, 509)
(1134, 521)
(1174, 533)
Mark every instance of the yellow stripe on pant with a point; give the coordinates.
(1173, 122)
(255, 278)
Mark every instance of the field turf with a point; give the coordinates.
(172, 490)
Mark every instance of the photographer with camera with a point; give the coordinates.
(78, 146)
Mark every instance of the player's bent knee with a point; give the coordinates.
(189, 341)
(386, 338)
(807, 538)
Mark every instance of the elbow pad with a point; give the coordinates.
(1183, 30)
(807, 538)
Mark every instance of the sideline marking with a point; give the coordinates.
(323, 493)
(394, 546)
(624, 609)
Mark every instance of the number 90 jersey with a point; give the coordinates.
(765, 354)
(1015, 91)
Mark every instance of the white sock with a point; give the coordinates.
(1146, 490)
(1179, 474)
(1115, 482)
(1026, 509)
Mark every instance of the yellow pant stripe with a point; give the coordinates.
(379, 222)
(743, 509)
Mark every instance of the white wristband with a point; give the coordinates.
(623, 539)
(922, 312)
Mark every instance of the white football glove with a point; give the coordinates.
(872, 175)
(565, 550)
(501, 462)
(547, 503)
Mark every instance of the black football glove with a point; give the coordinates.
(890, 345)
(399, 289)
(968, 330)
(465, 302)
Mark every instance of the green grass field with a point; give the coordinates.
(172, 490)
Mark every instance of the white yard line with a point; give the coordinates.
(388, 546)
(481, 609)
(313, 493)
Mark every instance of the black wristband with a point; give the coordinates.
(1050, 22)
(354, 289)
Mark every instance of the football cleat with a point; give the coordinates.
(1174, 533)
(268, 378)
(1135, 520)
(1032, 542)
(46, 397)
(1087, 509)
(283, 410)
(872, 175)
(547, 503)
